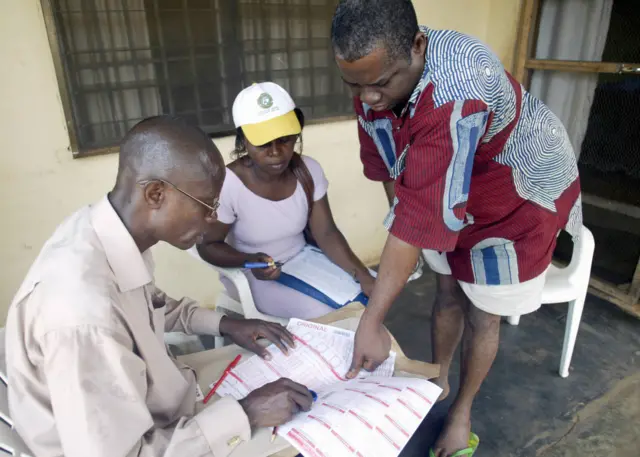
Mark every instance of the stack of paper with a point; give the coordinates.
(374, 417)
(371, 416)
(322, 356)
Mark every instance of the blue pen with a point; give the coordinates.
(256, 265)
(314, 395)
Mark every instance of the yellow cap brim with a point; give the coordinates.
(267, 131)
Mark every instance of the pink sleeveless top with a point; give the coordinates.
(262, 225)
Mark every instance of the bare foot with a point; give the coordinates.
(455, 434)
(443, 383)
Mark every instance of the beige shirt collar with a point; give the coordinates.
(130, 267)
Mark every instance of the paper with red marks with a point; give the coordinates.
(371, 417)
(322, 356)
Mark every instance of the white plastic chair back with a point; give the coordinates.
(10, 441)
(569, 284)
(565, 284)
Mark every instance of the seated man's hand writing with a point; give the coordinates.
(276, 403)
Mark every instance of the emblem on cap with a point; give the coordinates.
(265, 101)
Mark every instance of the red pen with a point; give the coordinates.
(225, 373)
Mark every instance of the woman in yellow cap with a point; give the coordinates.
(271, 194)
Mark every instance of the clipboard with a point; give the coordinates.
(307, 289)
(312, 273)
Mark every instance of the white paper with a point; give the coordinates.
(314, 268)
(371, 416)
(366, 418)
(322, 357)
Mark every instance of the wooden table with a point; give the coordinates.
(209, 366)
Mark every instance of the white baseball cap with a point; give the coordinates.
(265, 111)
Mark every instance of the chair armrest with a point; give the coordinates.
(231, 273)
(241, 283)
(582, 257)
(235, 275)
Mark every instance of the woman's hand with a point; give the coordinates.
(264, 274)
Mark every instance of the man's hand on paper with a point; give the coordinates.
(265, 274)
(371, 347)
(247, 332)
(276, 403)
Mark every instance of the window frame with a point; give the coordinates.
(61, 77)
(625, 296)
(525, 63)
(67, 102)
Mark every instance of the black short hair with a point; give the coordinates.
(360, 26)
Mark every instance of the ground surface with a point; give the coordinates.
(524, 408)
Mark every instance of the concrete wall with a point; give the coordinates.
(492, 21)
(41, 183)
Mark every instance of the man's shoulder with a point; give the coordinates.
(77, 302)
(69, 300)
(450, 48)
(461, 67)
(70, 283)
(73, 255)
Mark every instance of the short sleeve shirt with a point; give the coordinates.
(483, 170)
(282, 237)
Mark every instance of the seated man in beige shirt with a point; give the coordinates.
(89, 373)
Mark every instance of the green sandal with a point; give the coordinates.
(474, 441)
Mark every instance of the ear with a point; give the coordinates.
(154, 194)
(419, 44)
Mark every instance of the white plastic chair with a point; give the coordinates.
(245, 306)
(10, 441)
(569, 284)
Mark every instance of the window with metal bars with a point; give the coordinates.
(119, 61)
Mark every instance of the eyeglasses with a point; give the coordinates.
(212, 208)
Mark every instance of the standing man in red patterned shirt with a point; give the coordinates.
(480, 175)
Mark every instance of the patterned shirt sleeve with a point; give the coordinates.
(433, 190)
(374, 167)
